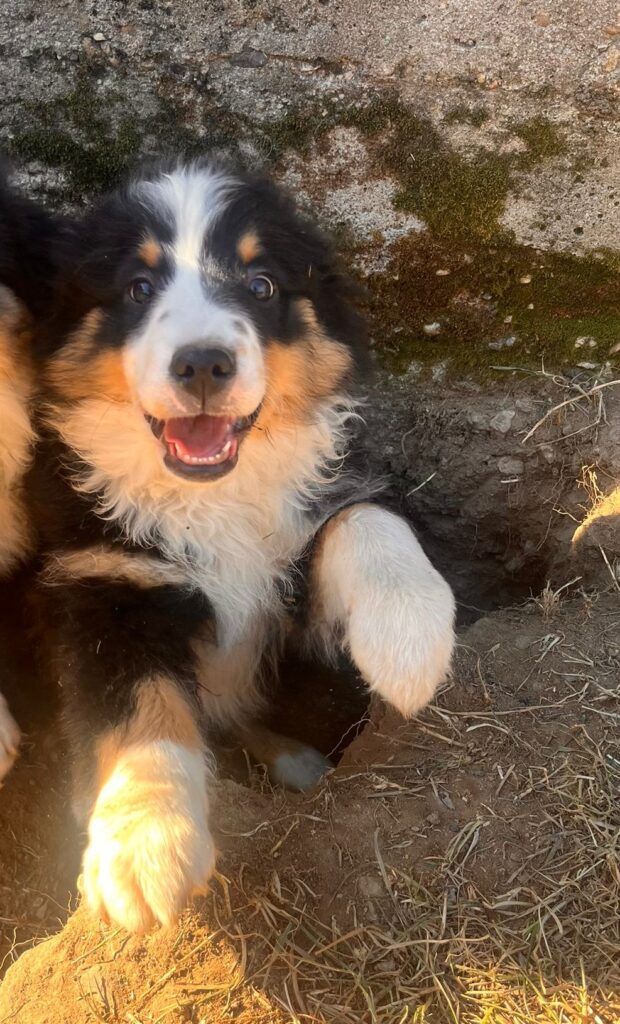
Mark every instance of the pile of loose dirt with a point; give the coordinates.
(464, 866)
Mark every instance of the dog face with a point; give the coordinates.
(207, 307)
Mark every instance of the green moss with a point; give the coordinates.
(459, 197)
(90, 136)
(462, 114)
(455, 196)
(90, 168)
(297, 129)
(486, 285)
(542, 139)
(73, 132)
(492, 281)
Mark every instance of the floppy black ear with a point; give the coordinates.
(28, 237)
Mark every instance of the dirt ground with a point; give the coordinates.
(462, 867)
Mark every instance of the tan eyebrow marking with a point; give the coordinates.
(248, 247)
(150, 251)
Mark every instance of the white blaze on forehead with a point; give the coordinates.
(191, 199)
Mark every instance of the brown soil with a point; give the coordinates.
(463, 867)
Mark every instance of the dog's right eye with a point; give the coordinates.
(141, 290)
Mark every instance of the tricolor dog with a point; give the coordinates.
(199, 382)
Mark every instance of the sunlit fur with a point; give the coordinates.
(375, 587)
(141, 868)
(16, 433)
(26, 234)
(168, 590)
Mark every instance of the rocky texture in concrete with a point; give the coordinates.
(466, 158)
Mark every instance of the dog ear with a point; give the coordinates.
(336, 297)
(28, 237)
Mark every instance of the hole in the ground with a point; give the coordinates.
(486, 574)
(320, 705)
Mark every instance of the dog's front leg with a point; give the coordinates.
(131, 704)
(375, 591)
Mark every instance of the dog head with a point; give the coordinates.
(203, 303)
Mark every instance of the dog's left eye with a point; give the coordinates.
(262, 287)
(141, 290)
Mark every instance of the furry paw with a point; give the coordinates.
(398, 610)
(404, 651)
(149, 843)
(300, 768)
(9, 738)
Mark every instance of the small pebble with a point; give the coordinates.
(530, 305)
(370, 886)
(502, 343)
(250, 58)
(432, 329)
(442, 273)
(99, 37)
(585, 341)
(503, 420)
(526, 279)
(510, 466)
(477, 420)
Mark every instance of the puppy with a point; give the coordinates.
(200, 379)
(26, 237)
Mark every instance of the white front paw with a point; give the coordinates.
(9, 738)
(149, 843)
(402, 641)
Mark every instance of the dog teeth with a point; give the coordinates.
(208, 459)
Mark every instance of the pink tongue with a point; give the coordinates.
(198, 436)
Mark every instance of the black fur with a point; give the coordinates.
(28, 239)
(112, 636)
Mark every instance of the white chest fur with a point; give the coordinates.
(234, 539)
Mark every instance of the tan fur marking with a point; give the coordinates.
(16, 434)
(266, 746)
(161, 713)
(103, 563)
(302, 374)
(15, 333)
(79, 371)
(249, 247)
(150, 251)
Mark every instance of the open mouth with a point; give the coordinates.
(201, 447)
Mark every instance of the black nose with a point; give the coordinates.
(202, 371)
